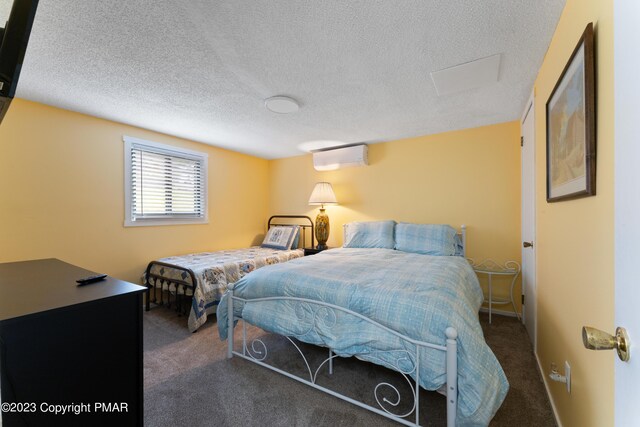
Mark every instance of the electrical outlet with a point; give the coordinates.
(566, 378)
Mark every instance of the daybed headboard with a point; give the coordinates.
(301, 220)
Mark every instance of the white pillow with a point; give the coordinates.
(280, 237)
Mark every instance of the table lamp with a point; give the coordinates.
(322, 195)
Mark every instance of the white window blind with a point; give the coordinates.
(166, 185)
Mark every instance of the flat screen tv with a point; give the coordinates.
(13, 45)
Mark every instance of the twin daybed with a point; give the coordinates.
(202, 278)
(399, 295)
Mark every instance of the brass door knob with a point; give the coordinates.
(595, 339)
(527, 244)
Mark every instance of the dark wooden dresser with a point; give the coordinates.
(64, 347)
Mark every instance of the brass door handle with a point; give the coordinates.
(595, 339)
(527, 244)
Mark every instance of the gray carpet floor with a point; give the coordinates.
(188, 381)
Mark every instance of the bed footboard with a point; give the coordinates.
(181, 286)
(256, 352)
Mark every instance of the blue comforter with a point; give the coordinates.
(416, 295)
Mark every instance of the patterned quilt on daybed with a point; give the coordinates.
(214, 270)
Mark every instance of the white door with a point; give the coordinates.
(627, 206)
(528, 221)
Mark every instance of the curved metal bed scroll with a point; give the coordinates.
(407, 363)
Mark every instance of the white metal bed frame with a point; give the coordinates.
(326, 313)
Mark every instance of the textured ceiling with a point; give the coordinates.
(359, 69)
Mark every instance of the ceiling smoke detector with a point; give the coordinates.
(281, 104)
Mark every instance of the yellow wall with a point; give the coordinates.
(467, 177)
(62, 194)
(575, 272)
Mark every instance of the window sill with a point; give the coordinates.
(168, 221)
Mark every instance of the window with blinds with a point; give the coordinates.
(164, 184)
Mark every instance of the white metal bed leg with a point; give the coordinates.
(417, 398)
(230, 321)
(452, 376)
(330, 363)
(244, 338)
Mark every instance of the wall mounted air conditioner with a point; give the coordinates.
(355, 155)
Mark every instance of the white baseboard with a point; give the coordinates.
(546, 386)
(500, 312)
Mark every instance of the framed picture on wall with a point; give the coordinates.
(571, 126)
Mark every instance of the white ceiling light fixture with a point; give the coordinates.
(281, 104)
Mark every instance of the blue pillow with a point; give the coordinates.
(427, 239)
(373, 234)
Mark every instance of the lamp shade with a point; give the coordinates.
(323, 195)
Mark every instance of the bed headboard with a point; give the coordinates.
(305, 223)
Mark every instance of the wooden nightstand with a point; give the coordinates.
(312, 251)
